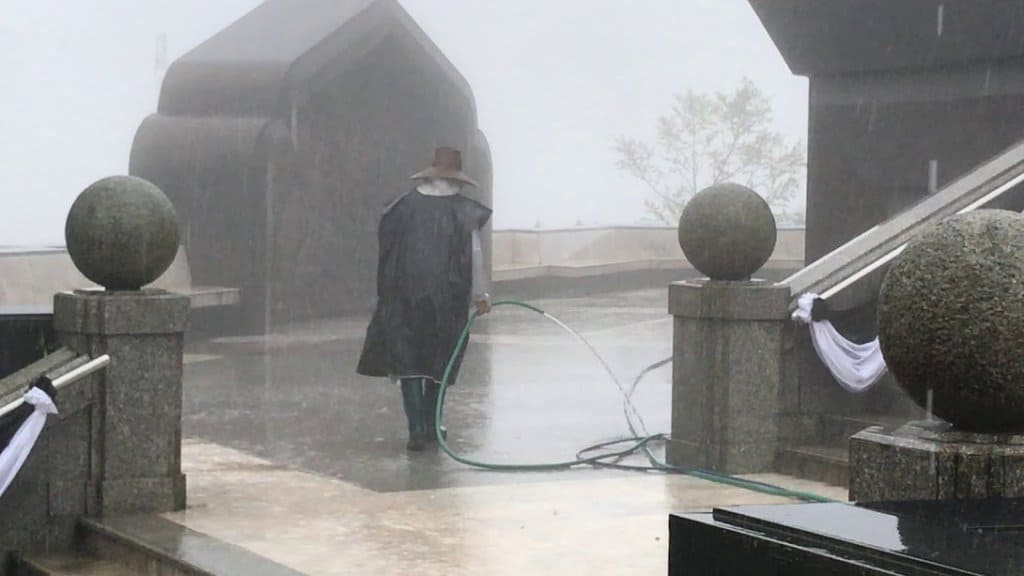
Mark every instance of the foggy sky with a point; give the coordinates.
(555, 82)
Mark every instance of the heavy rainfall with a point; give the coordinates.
(448, 287)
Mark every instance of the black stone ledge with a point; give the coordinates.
(708, 299)
(98, 312)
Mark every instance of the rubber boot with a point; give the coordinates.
(413, 402)
(432, 394)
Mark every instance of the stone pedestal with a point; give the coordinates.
(928, 461)
(136, 416)
(728, 340)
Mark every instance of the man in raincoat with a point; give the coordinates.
(430, 273)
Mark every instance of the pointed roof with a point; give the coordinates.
(258, 64)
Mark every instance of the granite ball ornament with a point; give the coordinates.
(951, 320)
(122, 233)
(727, 232)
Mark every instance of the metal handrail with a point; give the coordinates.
(63, 380)
(889, 256)
(849, 263)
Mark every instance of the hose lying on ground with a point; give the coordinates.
(599, 455)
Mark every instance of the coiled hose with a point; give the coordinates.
(605, 454)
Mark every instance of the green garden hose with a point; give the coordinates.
(639, 441)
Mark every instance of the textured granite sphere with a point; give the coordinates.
(727, 232)
(122, 233)
(951, 320)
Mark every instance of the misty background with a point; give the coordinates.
(555, 82)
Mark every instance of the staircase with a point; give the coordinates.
(827, 459)
(849, 278)
(146, 545)
(868, 253)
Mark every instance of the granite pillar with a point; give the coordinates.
(136, 432)
(929, 461)
(727, 368)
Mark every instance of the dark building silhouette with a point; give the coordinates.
(281, 139)
(901, 93)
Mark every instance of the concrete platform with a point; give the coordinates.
(315, 524)
(528, 392)
(296, 458)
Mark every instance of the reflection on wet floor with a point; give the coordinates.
(294, 457)
(528, 392)
(324, 526)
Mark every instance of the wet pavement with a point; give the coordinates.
(292, 456)
(320, 525)
(528, 392)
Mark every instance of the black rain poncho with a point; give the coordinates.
(424, 285)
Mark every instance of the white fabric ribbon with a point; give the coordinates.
(14, 456)
(857, 367)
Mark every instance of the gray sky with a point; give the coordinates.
(555, 81)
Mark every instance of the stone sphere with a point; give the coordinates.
(951, 320)
(727, 232)
(122, 233)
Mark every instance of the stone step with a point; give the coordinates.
(820, 463)
(826, 458)
(154, 545)
(69, 565)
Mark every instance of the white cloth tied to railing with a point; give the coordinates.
(17, 450)
(20, 427)
(857, 367)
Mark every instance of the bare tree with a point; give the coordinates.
(712, 138)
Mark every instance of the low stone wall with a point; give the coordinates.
(538, 262)
(29, 277)
(588, 252)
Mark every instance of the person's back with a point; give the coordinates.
(429, 273)
(437, 231)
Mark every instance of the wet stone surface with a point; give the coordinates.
(927, 461)
(949, 320)
(529, 392)
(122, 232)
(727, 232)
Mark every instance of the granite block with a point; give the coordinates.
(727, 372)
(68, 453)
(749, 457)
(61, 532)
(143, 495)
(68, 498)
(77, 397)
(1008, 471)
(972, 472)
(945, 473)
(24, 506)
(926, 461)
(97, 312)
(93, 504)
(693, 385)
(751, 365)
(736, 458)
(793, 338)
(796, 427)
(142, 418)
(128, 456)
(705, 299)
